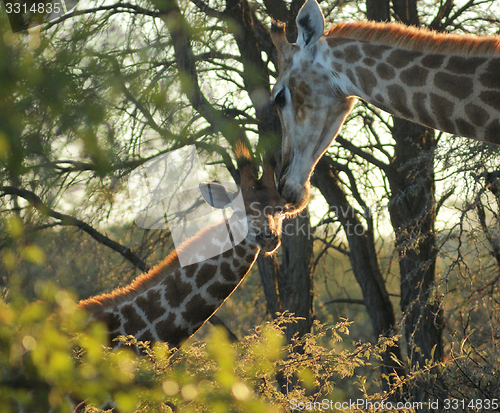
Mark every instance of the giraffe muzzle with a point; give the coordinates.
(295, 193)
(268, 243)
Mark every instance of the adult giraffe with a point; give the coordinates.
(447, 82)
(171, 302)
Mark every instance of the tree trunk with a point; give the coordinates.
(295, 282)
(364, 262)
(289, 286)
(412, 210)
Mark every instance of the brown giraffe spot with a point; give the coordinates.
(226, 272)
(379, 98)
(134, 321)
(112, 336)
(112, 320)
(299, 93)
(240, 251)
(465, 128)
(419, 100)
(433, 61)
(242, 271)
(221, 291)
(414, 76)
(300, 113)
(385, 71)
(366, 79)
(400, 58)
(337, 67)
(476, 114)
(464, 65)
(384, 107)
(190, 270)
(458, 86)
(175, 290)
(205, 274)
(236, 262)
(299, 109)
(493, 132)
(250, 258)
(373, 50)
(352, 54)
(369, 61)
(491, 76)
(350, 74)
(304, 89)
(491, 99)
(338, 54)
(150, 304)
(443, 110)
(197, 310)
(397, 97)
(146, 336)
(170, 333)
(227, 254)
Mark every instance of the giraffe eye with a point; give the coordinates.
(280, 98)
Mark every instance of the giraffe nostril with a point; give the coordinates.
(268, 242)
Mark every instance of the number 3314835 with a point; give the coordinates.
(40, 8)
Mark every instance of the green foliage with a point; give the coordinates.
(51, 358)
(40, 363)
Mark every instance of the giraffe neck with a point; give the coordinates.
(170, 302)
(430, 80)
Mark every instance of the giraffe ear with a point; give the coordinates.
(216, 195)
(310, 24)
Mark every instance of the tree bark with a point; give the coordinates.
(412, 209)
(295, 282)
(364, 262)
(289, 286)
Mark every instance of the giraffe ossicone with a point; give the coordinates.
(171, 302)
(446, 82)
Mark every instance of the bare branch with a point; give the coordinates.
(443, 199)
(185, 59)
(209, 11)
(37, 203)
(117, 7)
(366, 156)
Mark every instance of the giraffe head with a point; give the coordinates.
(312, 108)
(262, 202)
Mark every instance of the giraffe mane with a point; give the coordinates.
(417, 39)
(138, 285)
(152, 277)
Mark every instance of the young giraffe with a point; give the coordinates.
(170, 302)
(446, 82)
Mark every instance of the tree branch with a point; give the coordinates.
(209, 11)
(179, 30)
(366, 156)
(117, 7)
(37, 203)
